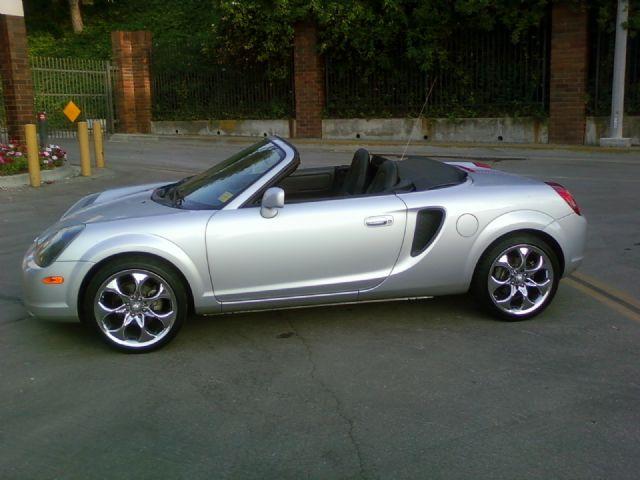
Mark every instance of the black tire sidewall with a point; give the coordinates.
(479, 285)
(158, 267)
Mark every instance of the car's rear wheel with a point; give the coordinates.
(137, 304)
(517, 277)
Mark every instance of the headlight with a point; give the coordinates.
(51, 246)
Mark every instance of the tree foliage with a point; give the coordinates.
(181, 29)
(380, 32)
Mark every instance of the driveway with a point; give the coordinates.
(419, 389)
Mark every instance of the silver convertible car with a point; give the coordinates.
(256, 232)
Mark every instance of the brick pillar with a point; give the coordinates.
(132, 56)
(308, 81)
(17, 84)
(568, 80)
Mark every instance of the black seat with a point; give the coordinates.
(385, 179)
(356, 179)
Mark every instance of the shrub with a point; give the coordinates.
(13, 158)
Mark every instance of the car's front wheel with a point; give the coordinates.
(517, 277)
(136, 303)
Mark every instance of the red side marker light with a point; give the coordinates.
(55, 280)
(566, 196)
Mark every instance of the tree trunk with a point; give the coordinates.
(76, 16)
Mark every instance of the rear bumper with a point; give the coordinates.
(571, 234)
(53, 302)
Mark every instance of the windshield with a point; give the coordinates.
(214, 188)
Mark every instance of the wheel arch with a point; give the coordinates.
(87, 278)
(544, 236)
(521, 221)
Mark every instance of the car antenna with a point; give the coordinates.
(418, 119)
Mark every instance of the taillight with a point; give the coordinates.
(482, 165)
(566, 196)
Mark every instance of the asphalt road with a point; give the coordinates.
(421, 389)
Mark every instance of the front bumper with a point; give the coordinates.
(571, 234)
(53, 302)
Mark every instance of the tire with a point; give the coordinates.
(510, 289)
(136, 303)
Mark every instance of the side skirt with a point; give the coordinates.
(257, 308)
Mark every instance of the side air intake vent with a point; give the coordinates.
(427, 225)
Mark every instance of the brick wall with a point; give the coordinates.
(15, 71)
(308, 80)
(568, 80)
(132, 56)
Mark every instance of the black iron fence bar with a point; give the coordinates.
(487, 74)
(74, 95)
(220, 93)
(84, 81)
(67, 70)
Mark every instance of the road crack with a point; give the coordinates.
(15, 320)
(339, 407)
(11, 299)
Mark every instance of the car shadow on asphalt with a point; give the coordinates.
(439, 312)
(251, 328)
(71, 332)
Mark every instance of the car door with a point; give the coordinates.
(313, 248)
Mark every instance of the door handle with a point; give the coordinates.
(379, 221)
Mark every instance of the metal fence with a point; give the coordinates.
(221, 93)
(601, 71)
(486, 74)
(88, 83)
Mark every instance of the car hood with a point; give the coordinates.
(117, 204)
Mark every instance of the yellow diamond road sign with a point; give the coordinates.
(71, 111)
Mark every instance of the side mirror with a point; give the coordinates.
(272, 200)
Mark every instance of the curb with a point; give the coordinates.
(55, 175)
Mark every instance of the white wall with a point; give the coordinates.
(11, 7)
(241, 128)
(474, 130)
(598, 127)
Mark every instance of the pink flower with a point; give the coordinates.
(18, 154)
(45, 154)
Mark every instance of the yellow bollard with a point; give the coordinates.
(85, 156)
(33, 160)
(97, 141)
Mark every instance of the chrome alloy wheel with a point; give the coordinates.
(520, 279)
(135, 308)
